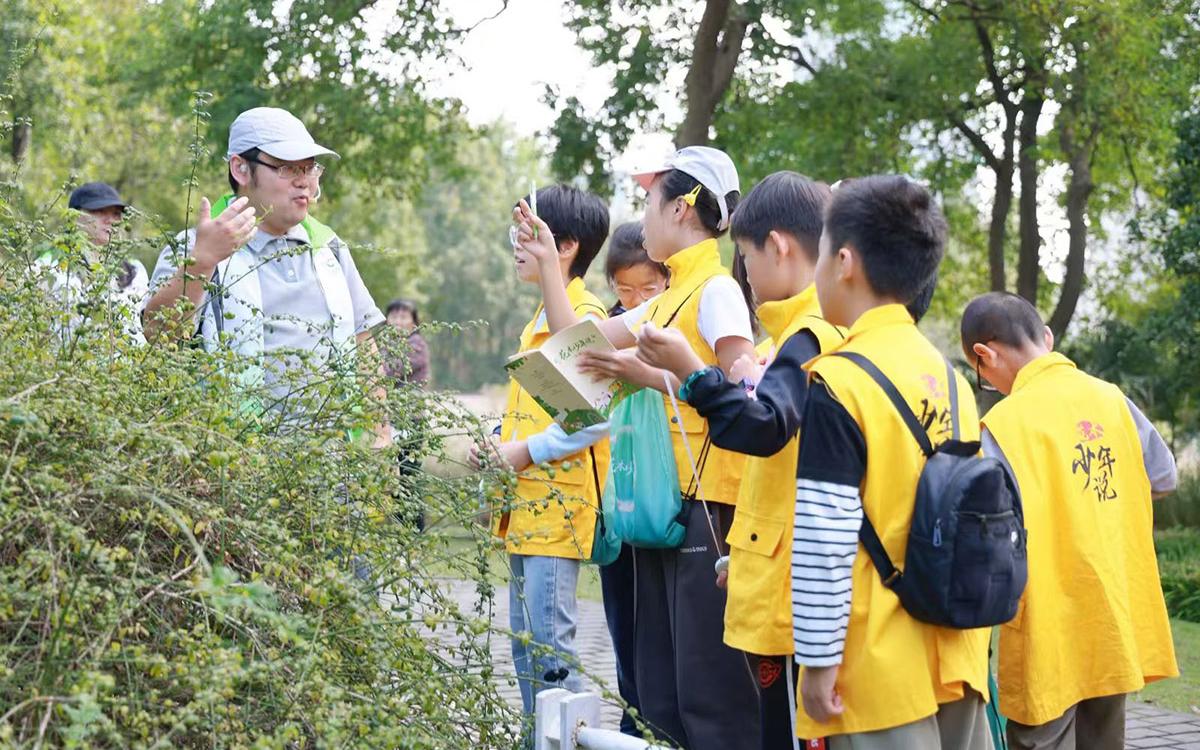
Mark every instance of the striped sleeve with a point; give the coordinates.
(824, 544)
(828, 515)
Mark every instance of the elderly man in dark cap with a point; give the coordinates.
(100, 209)
(72, 270)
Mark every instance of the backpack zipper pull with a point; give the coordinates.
(937, 533)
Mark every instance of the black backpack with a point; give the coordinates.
(966, 563)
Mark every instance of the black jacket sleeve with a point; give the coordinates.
(764, 426)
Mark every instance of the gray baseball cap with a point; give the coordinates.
(709, 166)
(275, 132)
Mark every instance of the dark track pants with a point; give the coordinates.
(694, 690)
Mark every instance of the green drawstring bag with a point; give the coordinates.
(642, 490)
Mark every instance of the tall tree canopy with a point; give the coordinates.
(1010, 109)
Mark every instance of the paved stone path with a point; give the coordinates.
(1147, 727)
(591, 639)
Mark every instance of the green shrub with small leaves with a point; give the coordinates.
(1182, 507)
(1179, 567)
(180, 570)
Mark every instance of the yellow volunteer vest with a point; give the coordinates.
(691, 269)
(1092, 621)
(758, 614)
(540, 523)
(895, 669)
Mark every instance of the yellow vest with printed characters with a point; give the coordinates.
(895, 669)
(758, 612)
(679, 307)
(553, 516)
(1092, 621)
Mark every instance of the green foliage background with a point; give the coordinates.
(106, 92)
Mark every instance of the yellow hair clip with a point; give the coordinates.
(690, 198)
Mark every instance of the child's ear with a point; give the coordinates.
(985, 354)
(568, 248)
(848, 263)
(782, 248)
(1048, 337)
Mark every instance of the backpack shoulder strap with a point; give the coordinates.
(890, 574)
(906, 413)
(867, 535)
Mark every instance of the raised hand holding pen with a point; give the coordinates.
(540, 243)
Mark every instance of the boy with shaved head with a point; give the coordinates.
(1092, 625)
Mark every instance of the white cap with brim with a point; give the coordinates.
(275, 132)
(709, 166)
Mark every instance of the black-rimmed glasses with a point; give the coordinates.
(980, 383)
(291, 171)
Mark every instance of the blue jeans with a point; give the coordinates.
(541, 600)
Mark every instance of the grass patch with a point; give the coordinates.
(1182, 693)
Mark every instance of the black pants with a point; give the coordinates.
(694, 690)
(409, 460)
(617, 585)
(777, 705)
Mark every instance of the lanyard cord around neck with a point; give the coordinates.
(687, 447)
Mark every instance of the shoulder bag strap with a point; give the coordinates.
(599, 494)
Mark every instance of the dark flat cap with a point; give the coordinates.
(94, 196)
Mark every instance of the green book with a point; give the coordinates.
(551, 375)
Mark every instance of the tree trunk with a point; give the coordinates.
(1001, 206)
(1027, 166)
(1003, 167)
(717, 47)
(1079, 189)
(22, 138)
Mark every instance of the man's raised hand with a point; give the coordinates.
(218, 237)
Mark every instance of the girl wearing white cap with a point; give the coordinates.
(693, 689)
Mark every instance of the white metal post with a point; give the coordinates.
(576, 711)
(571, 721)
(546, 718)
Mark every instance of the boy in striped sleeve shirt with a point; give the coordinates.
(873, 676)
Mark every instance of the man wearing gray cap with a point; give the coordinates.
(284, 284)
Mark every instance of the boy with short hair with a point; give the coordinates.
(777, 229)
(1092, 625)
(873, 676)
(549, 529)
